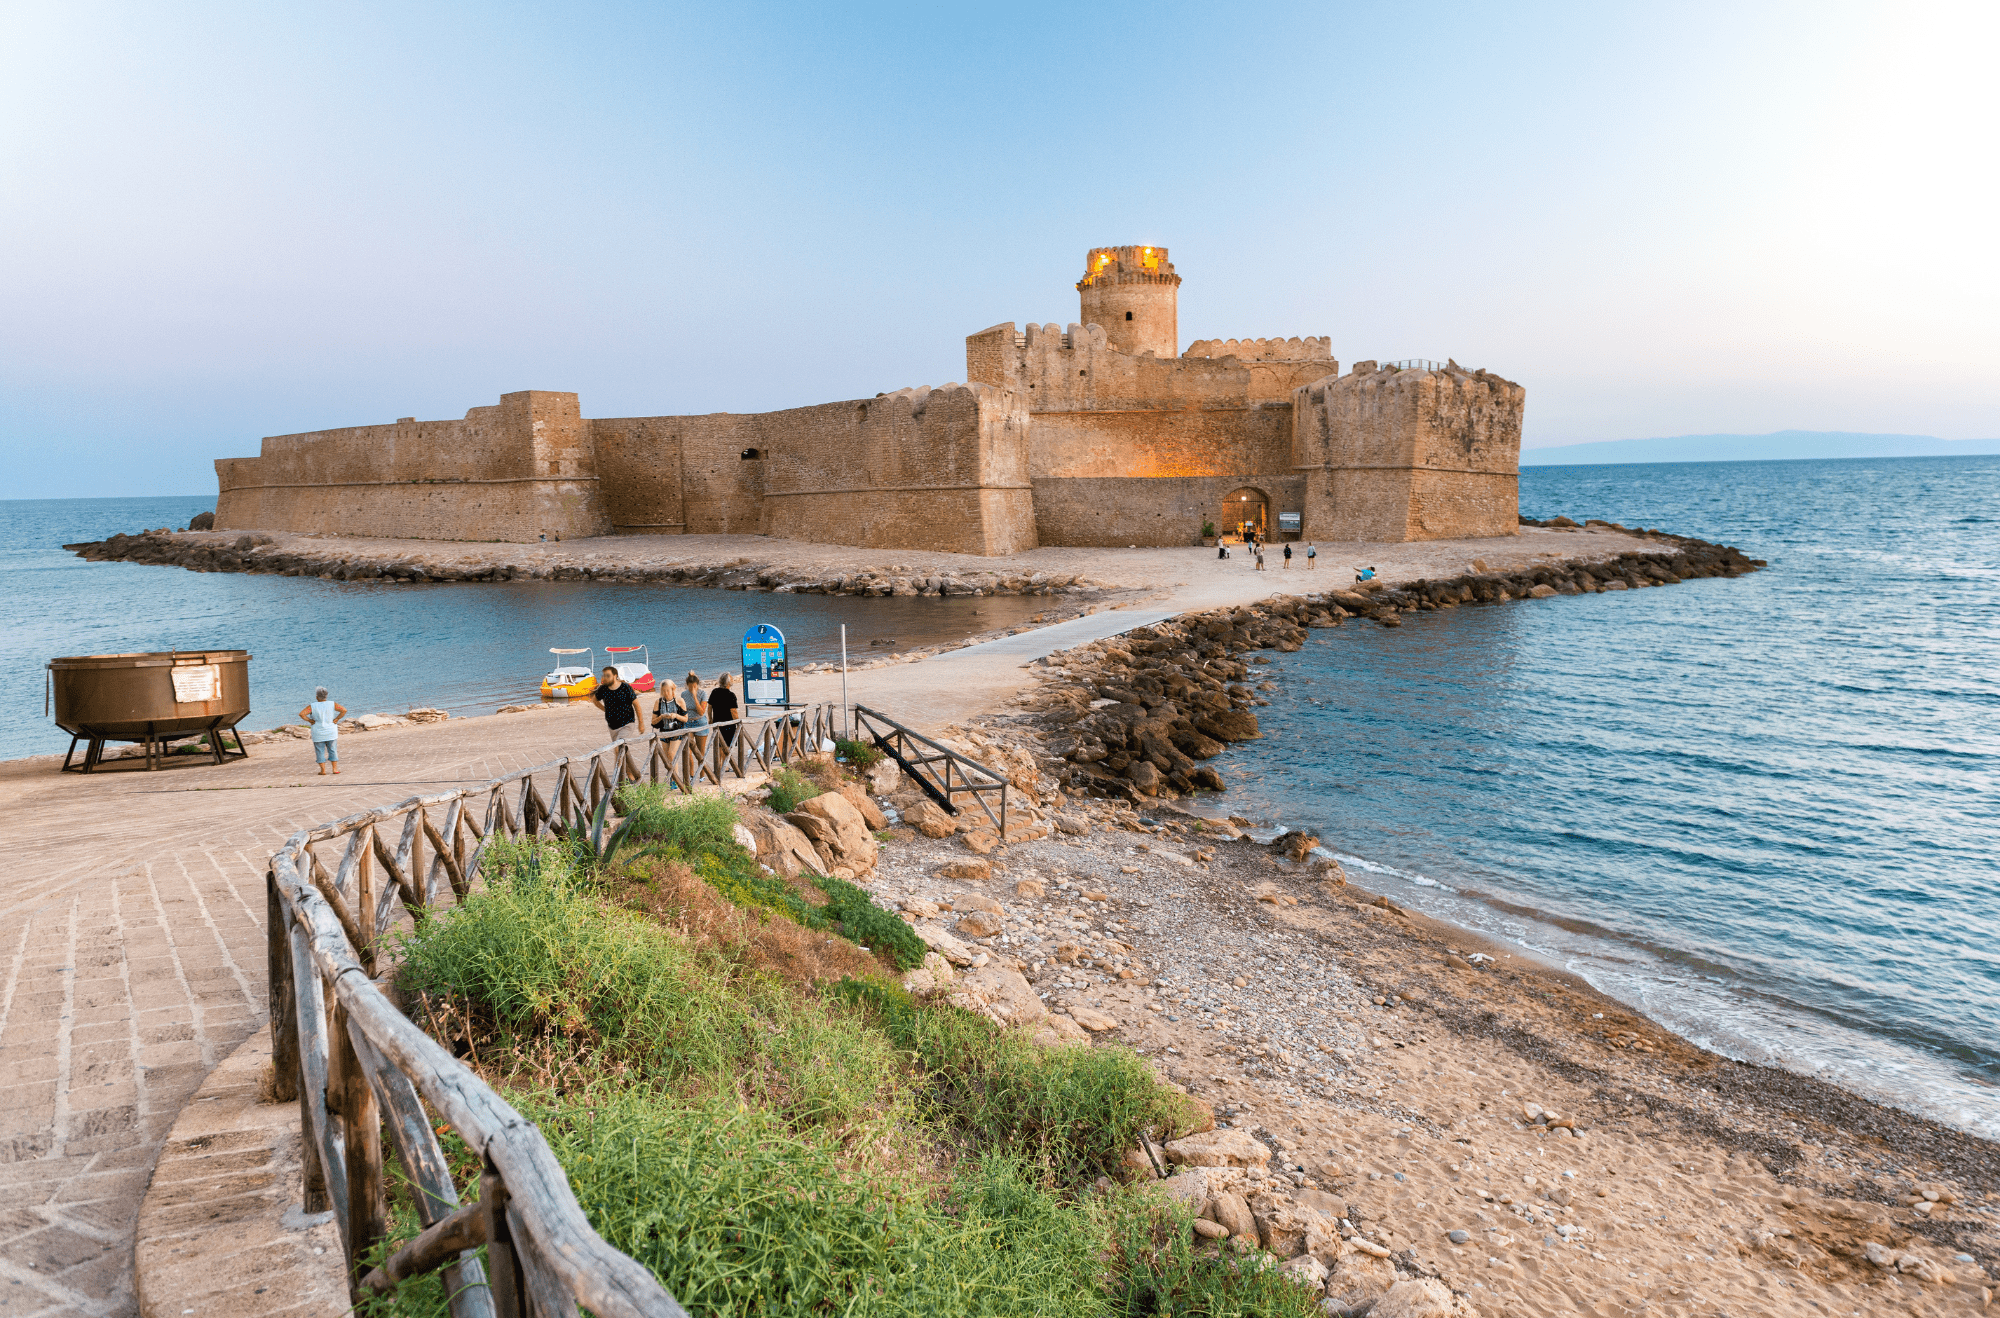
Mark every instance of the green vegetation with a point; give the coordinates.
(1069, 1111)
(860, 754)
(755, 1110)
(789, 787)
(1208, 530)
(868, 924)
(689, 824)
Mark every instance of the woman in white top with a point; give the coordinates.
(324, 715)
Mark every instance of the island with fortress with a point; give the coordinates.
(1104, 433)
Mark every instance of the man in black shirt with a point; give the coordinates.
(722, 709)
(619, 702)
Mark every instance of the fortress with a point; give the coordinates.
(1103, 433)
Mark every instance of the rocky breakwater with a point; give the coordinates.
(334, 560)
(1135, 714)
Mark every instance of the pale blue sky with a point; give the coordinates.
(226, 221)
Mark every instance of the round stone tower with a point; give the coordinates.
(1134, 294)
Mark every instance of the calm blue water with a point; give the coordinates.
(1766, 811)
(468, 647)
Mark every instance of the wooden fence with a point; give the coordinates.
(354, 1062)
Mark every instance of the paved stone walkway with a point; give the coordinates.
(132, 962)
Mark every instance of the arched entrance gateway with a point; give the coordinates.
(1244, 511)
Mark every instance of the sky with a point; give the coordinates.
(221, 222)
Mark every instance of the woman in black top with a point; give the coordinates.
(722, 709)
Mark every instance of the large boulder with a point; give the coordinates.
(946, 946)
(1294, 845)
(884, 776)
(1097, 1022)
(1144, 776)
(779, 844)
(1421, 1297)
(927, 818)
(980, 924)
(1358, 1280)
(871, 814)
(1229, 1210)
(1000, 994)
(851, 839)
(1218, 1148)
(1189, 1186)
(1230, 725)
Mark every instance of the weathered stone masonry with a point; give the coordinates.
(1092, 434)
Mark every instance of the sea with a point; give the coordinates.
(466, 647)
(1764, 811)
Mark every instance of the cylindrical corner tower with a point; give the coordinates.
(1134, 294)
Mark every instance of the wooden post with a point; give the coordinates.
(361, 1127)
(315, 1088)
(503, 1269)
(364, 893)
(278, 972)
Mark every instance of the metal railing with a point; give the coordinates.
(940, 772)
(353, 1061)
(1416, 364)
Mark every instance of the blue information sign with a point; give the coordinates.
(767, 677)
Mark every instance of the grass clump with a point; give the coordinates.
(861, 920)
(1070, 1111)
(770, 1141)
(689, 824)
(789, 788)
(736, 1214)
(861, 754)
(543, 958)
(1159, 1270)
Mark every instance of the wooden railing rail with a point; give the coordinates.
(356, 1064)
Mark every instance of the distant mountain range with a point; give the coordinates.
(1777, 446)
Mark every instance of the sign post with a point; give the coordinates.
(767, 676)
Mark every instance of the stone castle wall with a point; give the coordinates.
(1141, 450)
(1309, 348)
(515, 471)
(943, 469)
(1409, 455)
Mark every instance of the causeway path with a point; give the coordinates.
(132, 903)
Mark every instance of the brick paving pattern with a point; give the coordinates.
(132, 962)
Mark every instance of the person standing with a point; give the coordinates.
(1312, 557)
(1260, 558)
(722, 710)
(1288, 556)
(667, 711)
(324, 717)
(620, 703)
(696, 707)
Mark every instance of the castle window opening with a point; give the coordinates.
(750, 454)
(1128, 315)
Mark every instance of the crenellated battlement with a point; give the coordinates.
(1126, 265)
(1311, 348)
